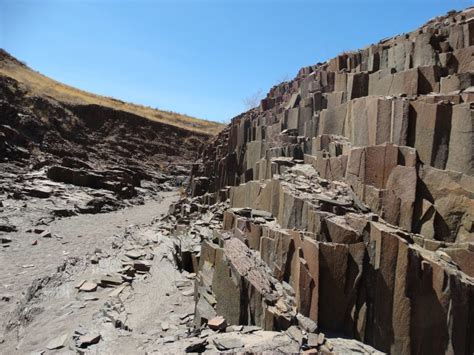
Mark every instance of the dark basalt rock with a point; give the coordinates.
(365, 162)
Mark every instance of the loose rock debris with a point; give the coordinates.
(297, 226)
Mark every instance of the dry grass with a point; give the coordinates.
(41, 85)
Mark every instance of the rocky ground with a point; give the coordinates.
(343, 204)
(52, 238)
(111, 282)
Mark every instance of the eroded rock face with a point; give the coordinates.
(89, 145)
(353, 185)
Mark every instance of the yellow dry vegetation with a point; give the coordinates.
(40, 85)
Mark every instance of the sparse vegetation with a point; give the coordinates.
(41, 85)
(253, 100)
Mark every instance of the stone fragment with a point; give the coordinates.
(91, 298)
(45, 234)
(188, 292)
(217, 323)
(57, 343)
(169, 339)
(197, 346)
(234, 328)
(296, 334)
(40, 192)
(118, 290)
(248, 329)
(79, 284)
(135, 254)
(315, 340)
(6, 227)
(5, 240)
(204, 311)
(110, 280)
(228, 343)
(5, 298)
(88, 286)
(85, 341)
(306, 323)
(142, 265)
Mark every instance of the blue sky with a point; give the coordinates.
(201, 57)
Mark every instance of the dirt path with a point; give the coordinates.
(39, 300)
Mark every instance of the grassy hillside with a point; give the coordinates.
(40, 85)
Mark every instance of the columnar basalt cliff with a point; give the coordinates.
(351, 188)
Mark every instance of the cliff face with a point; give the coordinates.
(413, 91)
(354, 183)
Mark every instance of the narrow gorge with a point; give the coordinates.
(335, 217)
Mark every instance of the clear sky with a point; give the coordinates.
(201, 57)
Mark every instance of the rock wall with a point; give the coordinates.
(415, 91)
(354, 183)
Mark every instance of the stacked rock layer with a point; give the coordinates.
(354, 185)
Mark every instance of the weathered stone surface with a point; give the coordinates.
(366, 168)
(217, 323)
(449, 197)
(456, 82)
(117, 181)
(243, 291)
(431, 132)
(58, 343)
(88, 286)
(461, 142)
(88, 339)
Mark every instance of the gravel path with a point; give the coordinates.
(38, 298)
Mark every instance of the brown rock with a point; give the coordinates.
(217, 323)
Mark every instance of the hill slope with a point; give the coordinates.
(40, 85)
(89, 140)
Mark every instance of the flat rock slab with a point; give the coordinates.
(110, 280)
(134, 254)
(45, 234)
(188, 292)
(169, 339)
(118, 290)
(228, 343)
(217, 323)
(142, 265)
(58, 342)
(88, 286)
(88, 339)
